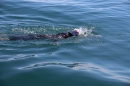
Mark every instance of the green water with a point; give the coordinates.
(98, 58)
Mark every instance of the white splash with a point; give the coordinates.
(84, 31)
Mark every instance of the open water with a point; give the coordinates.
(101, 57)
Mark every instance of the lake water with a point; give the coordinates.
(98, 58)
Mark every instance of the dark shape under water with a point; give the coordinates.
(55, 37)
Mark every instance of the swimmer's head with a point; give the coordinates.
(75, 32)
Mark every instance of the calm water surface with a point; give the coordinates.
(98, 58)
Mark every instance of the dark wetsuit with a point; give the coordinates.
(40, 36)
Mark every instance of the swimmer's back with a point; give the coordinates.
(28, 37)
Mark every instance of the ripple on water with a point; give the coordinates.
(84, 67)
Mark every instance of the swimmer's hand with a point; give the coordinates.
(85, 33)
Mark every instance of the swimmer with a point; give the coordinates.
(55, 37)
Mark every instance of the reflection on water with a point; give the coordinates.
(82, 67)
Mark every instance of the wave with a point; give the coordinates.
(107, 73)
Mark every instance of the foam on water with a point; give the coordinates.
(84, 31)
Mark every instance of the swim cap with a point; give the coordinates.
(75, 32)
